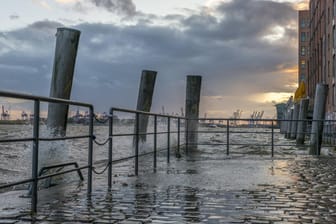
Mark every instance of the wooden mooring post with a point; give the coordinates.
(302, 124)
(61, 82)
(289, 123)
(145, 97)
(294, 122)
(318, 119)
(193, 94)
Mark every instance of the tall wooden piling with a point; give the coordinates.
(193, 94)
(145, 96)
(318, 118)
(302, 124)
(281, 114)
(294, 122)
(287, 117)
(289, 123)
(284, 122)
(62, 76)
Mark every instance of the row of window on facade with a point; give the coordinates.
(304, 37)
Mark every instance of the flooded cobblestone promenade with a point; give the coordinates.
(193, 189)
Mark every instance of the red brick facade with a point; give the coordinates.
(321, 63)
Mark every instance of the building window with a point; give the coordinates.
(303, 63)
(303, 36)
(302, 23)
(302, 77)
(303, 51)
(334, 37)
(333, 94)
(334, 67)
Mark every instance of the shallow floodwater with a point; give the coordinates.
(204, 186)
(16, 157)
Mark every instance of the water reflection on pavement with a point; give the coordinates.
(193, 189)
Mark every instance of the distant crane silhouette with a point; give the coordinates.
(236, 115)
(24, 115)
(256, 115)
(4, 114)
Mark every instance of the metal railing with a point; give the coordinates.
(36, 139)
(230, 128)
(233, 129)
(139, 115)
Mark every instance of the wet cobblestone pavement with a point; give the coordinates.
(234, 190)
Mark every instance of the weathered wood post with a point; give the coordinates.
(284, 122)
(302, 125)
(62, 76)
(318, 118)
(289, 123)
(294, 121)
(145, 96)
(193, 94)
(281, 114)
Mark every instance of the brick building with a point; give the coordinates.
(317, 57)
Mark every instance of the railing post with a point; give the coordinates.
(35, 155)
(155, 141)
(178, 134)
(90, 159)
(136, 162)
(227, 137)
(272, 139)
(168, 141)
(110, 150)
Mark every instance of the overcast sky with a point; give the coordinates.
(246, 51)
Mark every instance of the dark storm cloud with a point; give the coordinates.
(227, 47)
(124, 7)
(26, 57)
(240, 20)
(45, 25)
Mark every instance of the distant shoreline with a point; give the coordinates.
(14, 122)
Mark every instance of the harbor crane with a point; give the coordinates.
(4, 114)
(24, 115)
(255, 116)
(236, 116)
